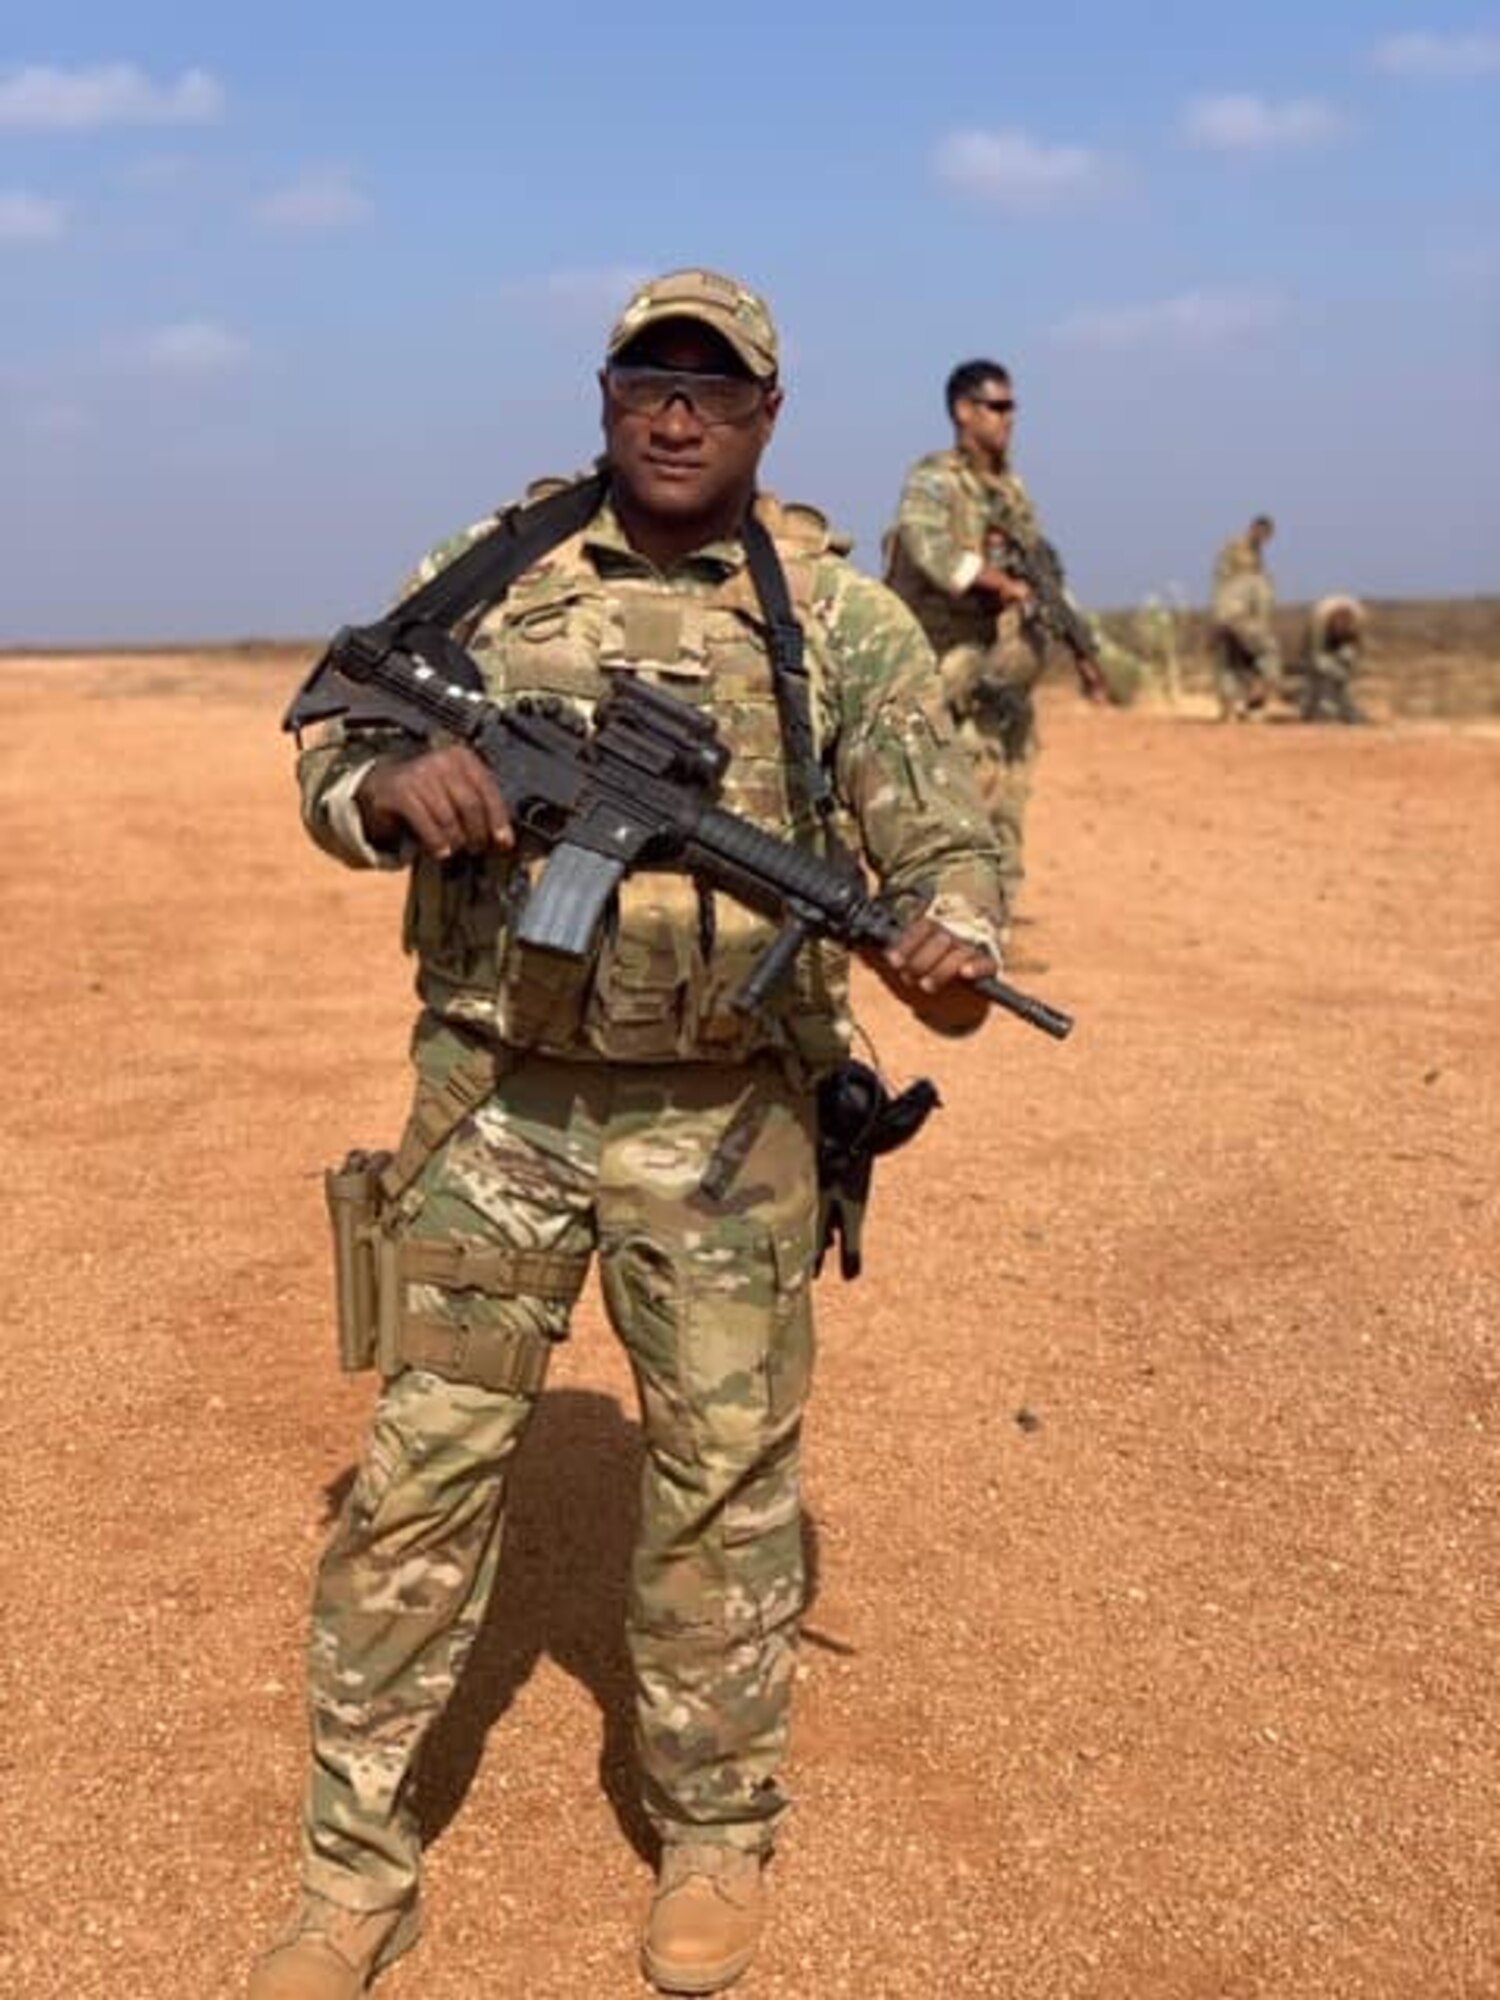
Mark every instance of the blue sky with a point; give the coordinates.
(286, 294)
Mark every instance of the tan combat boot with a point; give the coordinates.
(705, 1917)
(331, 1953)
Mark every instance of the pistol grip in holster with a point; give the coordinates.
(858, 1120)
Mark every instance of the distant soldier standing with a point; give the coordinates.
(1330, 659)
(1246, 658)
(965, 525)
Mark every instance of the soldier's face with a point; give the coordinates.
(987, 419)
(673, 463)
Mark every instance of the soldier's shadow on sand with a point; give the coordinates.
(574, 1506)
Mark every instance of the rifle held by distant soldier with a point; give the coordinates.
(1051, 611)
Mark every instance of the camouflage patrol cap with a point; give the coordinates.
(722, 304)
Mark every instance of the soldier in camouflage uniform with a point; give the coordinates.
(625, 1111)
(1329, 660)
(946, 557)
(1246, 658)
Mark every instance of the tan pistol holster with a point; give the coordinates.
(352, 1191)
(375, 1260)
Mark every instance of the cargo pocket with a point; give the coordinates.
(454, 911)
(721, 1344)
(790, 1363)
(746, 1359)
(764, 1510)
(645, 1305)
(738, 938)
(541, 994)
(386, 1455)
(641, 1004)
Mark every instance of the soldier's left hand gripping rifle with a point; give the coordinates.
(635, 791)
(1038, 565)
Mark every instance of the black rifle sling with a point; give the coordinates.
(788, 647)
(489, 566)
(887, 1120)
(481, 575)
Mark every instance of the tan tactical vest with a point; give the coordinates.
(982, 512)
(659, 986)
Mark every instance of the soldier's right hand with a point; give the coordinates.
(1008, 589)
(447, 799)
(1091, 681)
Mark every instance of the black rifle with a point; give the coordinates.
(636, 791)
(1006, 707)
(1038, 565)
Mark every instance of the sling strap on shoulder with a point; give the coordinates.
(488, 567)
(481, 575)
(788, 647)
(486, 570)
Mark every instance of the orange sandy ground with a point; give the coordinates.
(1180, 1689)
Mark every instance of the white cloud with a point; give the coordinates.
(194, 347)
(1190, 320)
(1438, 55)
(30, 218)
(81, 100)
(323, 198)
(1240, 122)
(1016, 172)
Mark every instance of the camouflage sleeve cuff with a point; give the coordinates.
(965, 570)
(346, 828)
(958, 915)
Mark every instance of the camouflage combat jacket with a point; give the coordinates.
(658, 987)
(952, 520)
(1244, 595)
(1238, 557)
(1335, 660)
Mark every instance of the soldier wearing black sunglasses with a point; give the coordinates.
(964, 512)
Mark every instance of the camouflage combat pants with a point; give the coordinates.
(1000, 735)
(711, 1299)
(1326, 683)
(1246, 672)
